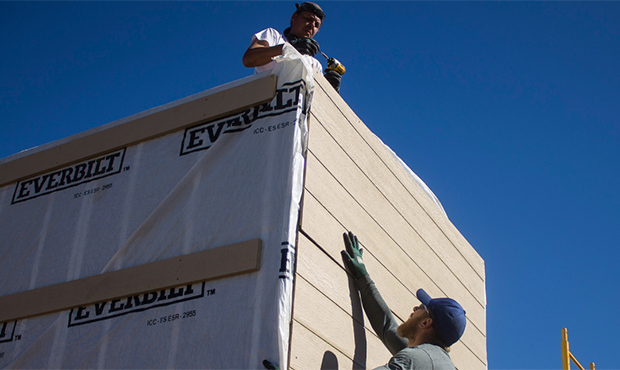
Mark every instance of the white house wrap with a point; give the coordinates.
(233, 179)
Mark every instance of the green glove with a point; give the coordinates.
(352, 256)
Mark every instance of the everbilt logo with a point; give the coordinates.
(7, 331)
(105, 165)
(202, 136)
(142, 302)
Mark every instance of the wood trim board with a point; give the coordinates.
(216, 263)
(174, 116)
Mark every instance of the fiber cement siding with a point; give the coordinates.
(354, 183)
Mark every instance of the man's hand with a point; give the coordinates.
(334, 78)
(306, 45)
(352, 256)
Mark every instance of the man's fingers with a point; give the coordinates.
(355, 242)
(353, 239)
(352, 245)
(316, 46)
(347, 244)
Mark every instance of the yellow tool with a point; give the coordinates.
(334, 64)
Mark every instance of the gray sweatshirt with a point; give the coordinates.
(425, 356)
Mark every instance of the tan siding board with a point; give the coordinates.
(464, 359)
(406, 267)
(333, 281)
(308, 350)
(334, 325)
(327, 232)
(366, 173)
(384, 267)
(353, 126)
(373, 201)
(354, 183)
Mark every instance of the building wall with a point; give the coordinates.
(353, 183)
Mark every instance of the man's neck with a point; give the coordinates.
(417, 340)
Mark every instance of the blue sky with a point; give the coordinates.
(509, 111)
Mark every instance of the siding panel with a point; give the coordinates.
(354, 183)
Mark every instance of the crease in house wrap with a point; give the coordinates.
(217, 183)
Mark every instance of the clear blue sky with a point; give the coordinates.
(509, 111)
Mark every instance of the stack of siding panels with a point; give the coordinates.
(354, 183)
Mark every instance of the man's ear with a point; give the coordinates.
(426, 323)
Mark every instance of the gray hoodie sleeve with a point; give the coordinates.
(381, 318)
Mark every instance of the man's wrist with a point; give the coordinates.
(363, 281)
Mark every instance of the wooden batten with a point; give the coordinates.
(217, 263)
(144, 126)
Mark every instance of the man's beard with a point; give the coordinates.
(409, 329)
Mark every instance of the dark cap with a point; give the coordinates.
(312, 8)
(449, 316)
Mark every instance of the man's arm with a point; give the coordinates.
(381, 318)
(260, 53)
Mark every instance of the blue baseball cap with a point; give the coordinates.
(449, 316)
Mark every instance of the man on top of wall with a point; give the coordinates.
(267, 44)
(421, 342)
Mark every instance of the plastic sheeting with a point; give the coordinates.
(234, 179)
(419, 181)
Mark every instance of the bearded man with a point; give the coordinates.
(421, 342)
